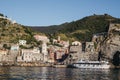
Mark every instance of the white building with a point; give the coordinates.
(76, 43)
(3, 17)
(14, 47)
(22, 42)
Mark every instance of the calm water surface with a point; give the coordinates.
(48, 73)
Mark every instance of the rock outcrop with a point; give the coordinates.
(112, 43)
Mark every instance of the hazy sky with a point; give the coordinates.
(53, 12)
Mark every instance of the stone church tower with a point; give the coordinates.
(44, 51)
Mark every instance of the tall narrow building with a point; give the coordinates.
(44, 51)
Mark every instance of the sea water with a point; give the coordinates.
(49, 73)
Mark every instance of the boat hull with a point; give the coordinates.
(91, 64)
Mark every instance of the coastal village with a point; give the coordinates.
(62, 52)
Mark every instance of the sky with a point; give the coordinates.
(55, 12)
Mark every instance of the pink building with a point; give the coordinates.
(41, 38)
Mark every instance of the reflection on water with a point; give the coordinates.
(48, 73)
(115, 74)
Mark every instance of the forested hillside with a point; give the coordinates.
(12, 32)
(82, 29)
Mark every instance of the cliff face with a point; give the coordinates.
(111, 45)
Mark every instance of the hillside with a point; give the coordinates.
(45, 29)
(12, 32)
(82, 29)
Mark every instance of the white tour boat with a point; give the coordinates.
(91, 64)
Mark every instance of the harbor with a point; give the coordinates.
(50, 73)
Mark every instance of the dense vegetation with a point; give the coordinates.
(12, 32)
(82, 29)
